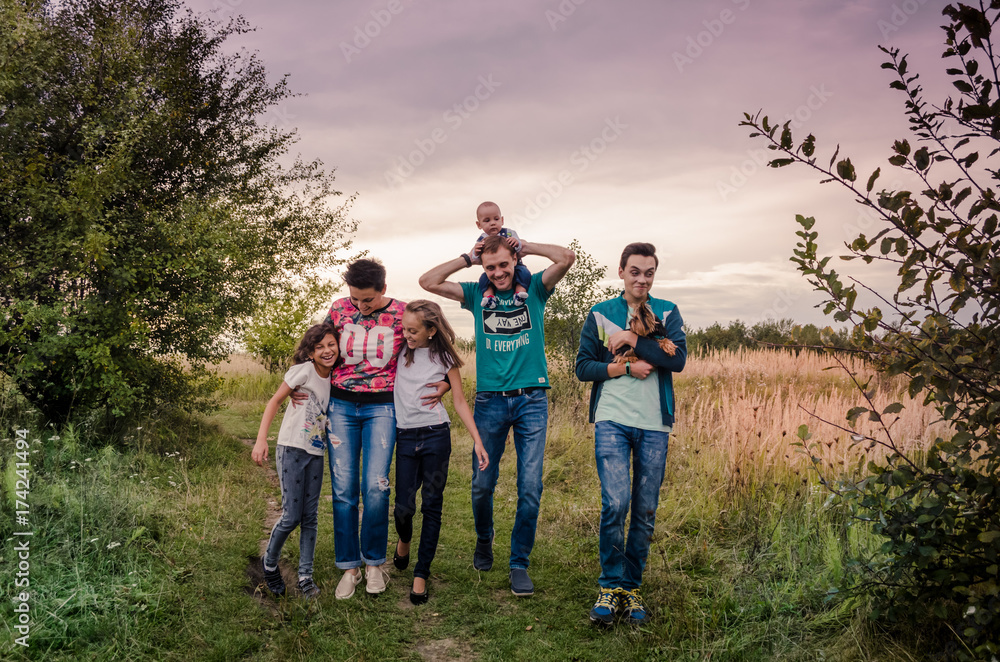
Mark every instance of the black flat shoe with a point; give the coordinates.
(401, 562)
(419, 598)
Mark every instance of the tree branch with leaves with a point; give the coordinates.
(940, 329)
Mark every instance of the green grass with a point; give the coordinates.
(141, 550)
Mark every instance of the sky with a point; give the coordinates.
(605, 122)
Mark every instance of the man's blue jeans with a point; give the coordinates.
(615, 447)
(495, 415)
(360, 445)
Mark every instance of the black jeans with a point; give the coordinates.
(422, 456)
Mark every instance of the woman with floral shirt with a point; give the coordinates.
(361, 423)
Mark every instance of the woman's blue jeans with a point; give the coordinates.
(361, 441)
(495, 415)
(616, 446)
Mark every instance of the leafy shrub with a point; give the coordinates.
(940, 516)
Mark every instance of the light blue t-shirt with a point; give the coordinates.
(631, 401)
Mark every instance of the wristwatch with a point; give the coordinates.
(468, 260)
(628, 369)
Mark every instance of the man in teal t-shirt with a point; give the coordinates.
(511, 382)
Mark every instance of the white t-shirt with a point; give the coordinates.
(410, 385)
(305, 426)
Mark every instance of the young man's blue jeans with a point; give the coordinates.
(495, 415)
(616, 446)
(361, 441)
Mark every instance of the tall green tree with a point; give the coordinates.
(567, 308)
(939, 513)
(144, 210)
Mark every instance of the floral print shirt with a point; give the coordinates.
(369, 346)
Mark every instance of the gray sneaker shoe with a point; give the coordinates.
(482, 559)
(520, 583)
(308, 588)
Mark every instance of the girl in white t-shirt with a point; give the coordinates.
(423, 437)
(299, 453)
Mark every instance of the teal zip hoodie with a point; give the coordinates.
(593, 357)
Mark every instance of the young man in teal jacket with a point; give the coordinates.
(632, 408)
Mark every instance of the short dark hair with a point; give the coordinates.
(639, 248)
(495, 243)
(365, 273)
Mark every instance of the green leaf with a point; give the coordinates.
(786, 137)
(854, 412)
(989, 536)
(894, 408)
(957, 282)
(871, 180)
(809, 146)
(962, 86)
(845, 170)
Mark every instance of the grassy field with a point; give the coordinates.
(147, 549)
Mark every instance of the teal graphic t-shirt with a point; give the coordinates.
(510, 340)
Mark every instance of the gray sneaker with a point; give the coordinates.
(520, 583)
(308, 588)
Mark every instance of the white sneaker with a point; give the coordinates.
(348, 582)
(377, 577)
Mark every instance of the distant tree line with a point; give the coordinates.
(767, 333)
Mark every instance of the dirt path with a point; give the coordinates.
(255, 572)
(430, 650)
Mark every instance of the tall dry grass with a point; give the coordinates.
(746, 407)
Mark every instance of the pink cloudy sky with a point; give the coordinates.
(605, 122)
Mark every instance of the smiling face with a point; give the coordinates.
(325, 354)
(499, 267)
(367, 299)
(489, 220)
(415, 332)
(638, 275)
